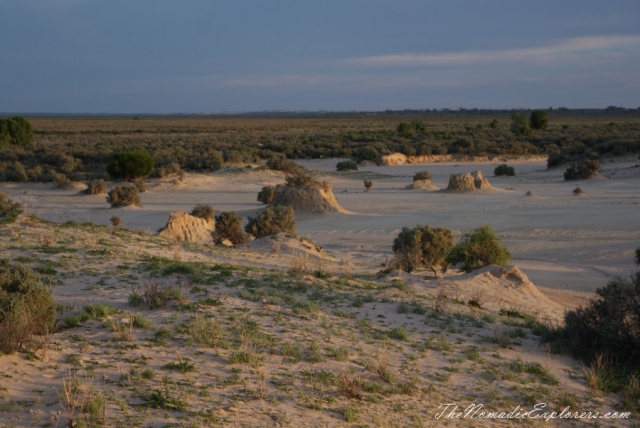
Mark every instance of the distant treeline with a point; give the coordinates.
(80, 147)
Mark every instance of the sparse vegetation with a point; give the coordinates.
(479, 248)
(368, 184)
(271, 221)
(585, 169)
(96, 187)
(203, 211)
(27, 308)
(504, 169)
(228, 227)
(9, 208)
(267, 194)
(421, 176)
(124, 196)
(423, 246)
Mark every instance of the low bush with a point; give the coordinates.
(8, 207)
(267, 194)
(271, 221)
(585, 169)
(15, 130)
(130, 166)
(299, 178)
(421, 176)
(347, 166)
(284, 165)
(172, 168)
(203, 211)
(228, 227)
(609, 324)
(504, 169)
(27, 307)
(479, 248)
(96, 187)
(368, 184)
(555, 159)
(140, 185)
(124, 196)
(423, 246)
(60, 180)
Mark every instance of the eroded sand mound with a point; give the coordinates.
(504, 287)
(314, 198)
(467, 182)
(400, 159)
(185, 227)
(422, 185)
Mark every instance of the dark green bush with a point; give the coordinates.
(520, 124)
(539, 119)
(284, 165)
(267, 194)
(585, 169)
(347, 166)
(423, 246)
(271, 221)
(637, 258)
(130, 166)
(15, 130)
(27, 307)
(96, 187)
(609, 324)
(494, 124)
(422, 176)
(9, 208)
(405, 130)
(479, 248)
(228, 227)
(124, 196)
(13, 171)
(203, 211)
(555, 159)
(504, 169)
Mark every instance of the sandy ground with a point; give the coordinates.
(567, 246)
(561, 241)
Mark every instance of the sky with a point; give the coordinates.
(206, 56)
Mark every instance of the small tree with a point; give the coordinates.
(423, 246)
(367, 185)
(228, 227)
(520, 124)
(130, 166)
(539, 119)
(27, 307)
(16, 130)
(203, 211)
(267, 194)
(504, 169)
(405, 130)
(124, 196)
(347, 166)
(494, 124)
(271, 221)
(479, 248)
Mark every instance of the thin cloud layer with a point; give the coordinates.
(533, 54)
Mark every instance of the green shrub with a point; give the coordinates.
(9, 208)
(539, 119)
(479, 248)
(421, 176)
(609, 324)
(130, 166)
(504, 169)
(494, 124)
(15, 130)
(27, 307)
(203, 211)
(284, 165)
(520, 124)
(585, 169)
(271, 221)
(299, 178)
(228, 227)
(555, 159)
(13, 171)
(267, 194)
(124, 196)
(347, 166)
(96, 187)
(423, 246)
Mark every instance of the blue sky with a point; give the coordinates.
(195, 56)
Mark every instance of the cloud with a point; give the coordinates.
(531, 54)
